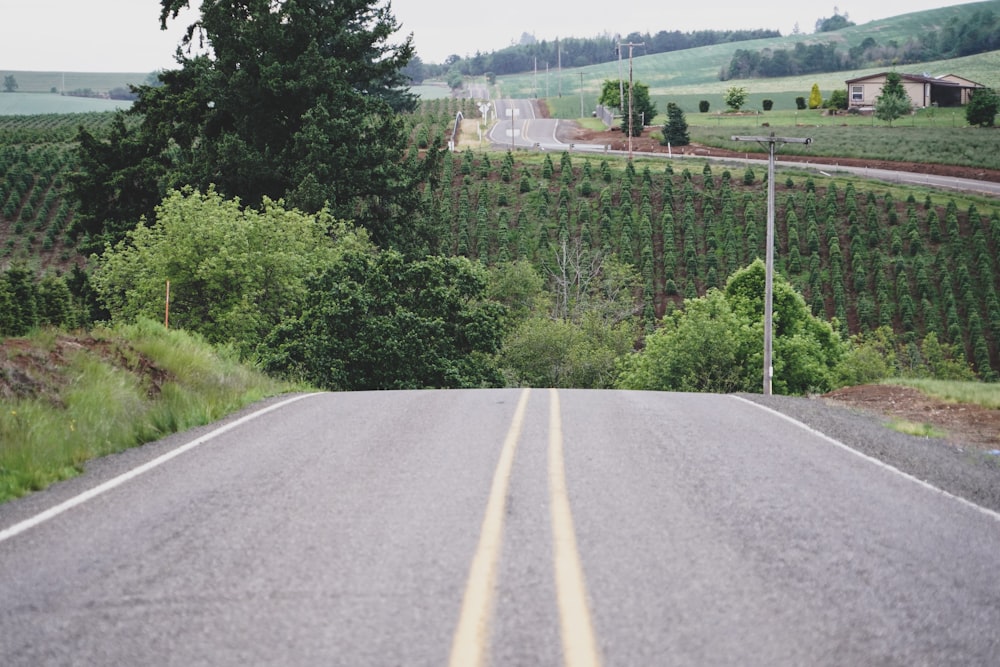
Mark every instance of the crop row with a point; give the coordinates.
(856, 254)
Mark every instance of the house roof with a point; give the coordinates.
(922, 78)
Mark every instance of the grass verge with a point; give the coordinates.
(983, 394)
(66, 399)
(920, 430)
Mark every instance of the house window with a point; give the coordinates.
(857, 93)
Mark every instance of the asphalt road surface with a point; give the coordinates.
(502, 527)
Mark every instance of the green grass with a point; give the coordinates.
(687, 77)
(35, 104)
(919, 430)
(986, 395)
(101, 82)
(428, 92)
(110, 391)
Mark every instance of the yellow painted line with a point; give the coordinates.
(578, 640)
(472, 635)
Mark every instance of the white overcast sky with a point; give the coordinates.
(124, 35)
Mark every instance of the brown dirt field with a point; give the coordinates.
(969, 425)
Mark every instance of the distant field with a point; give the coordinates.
(432, 92)
(689, 76)
(101, 82)
(36, 104)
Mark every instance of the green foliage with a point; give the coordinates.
(714, 343)
(703, 106)
(546, 352)
(767, 104)
(893, 103)
(18, 301)
(836, 22)
(982, 108)
(234, 272)
(704, 347)
(815, 97)
(675, 131)
(313, 121)
(115, 389)
(9, 83)
(637, 98)
(377, 321)
(800, 103)
(838, 99)
(881, 354)
(736, 97)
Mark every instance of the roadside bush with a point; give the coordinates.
(714, 343)
(982, 108)
(838, 99)
(377, 321)
(235, 273)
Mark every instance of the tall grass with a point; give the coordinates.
(986, 395)
(124, 387)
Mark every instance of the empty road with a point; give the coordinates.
(502, 527)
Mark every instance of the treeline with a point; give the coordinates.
(979, 33)
(580, 52)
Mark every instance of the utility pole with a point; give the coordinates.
(770, 142)
(581, 94)
(630, 46)
(559, 65)
(512, 127)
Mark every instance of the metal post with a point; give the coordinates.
(770, 141)
(512, 128)
(630, 46)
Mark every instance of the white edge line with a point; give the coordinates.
(882, 464)
(89, 494)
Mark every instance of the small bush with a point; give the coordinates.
(767, 104)
(703, 106)
(800, 103)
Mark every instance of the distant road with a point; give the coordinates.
(518, 126)
(514, 527)
(524, 130)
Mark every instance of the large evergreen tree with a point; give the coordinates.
(675, 130)
(295, 100)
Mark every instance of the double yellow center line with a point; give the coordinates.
(470, 645)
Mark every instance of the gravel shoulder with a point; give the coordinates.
(962, 469)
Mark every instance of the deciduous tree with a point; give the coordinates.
(736, 97)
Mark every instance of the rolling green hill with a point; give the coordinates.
(691, 75)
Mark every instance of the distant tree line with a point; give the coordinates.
(979, 33)
(580, 52)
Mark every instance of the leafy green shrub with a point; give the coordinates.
(767, 105)
(800, 103)
(235, 273)
(377, 321)
(703, 106)
(713, 344)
